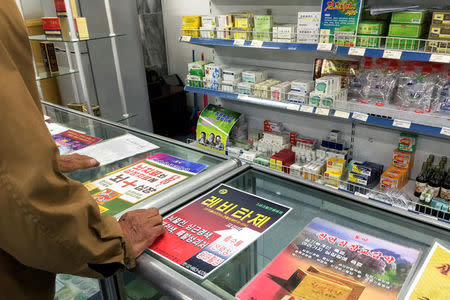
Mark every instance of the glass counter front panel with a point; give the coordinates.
(307, 203)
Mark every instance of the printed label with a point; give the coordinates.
(360, 116)
(307, 109)
(440, 58)
(256, 44)
(239, 42)
(445, 131)
(342, 114)
(324, 47)
(393, 54)
(420, 187)
(292, 106)
(186, 39)
(357, 51)
(322, 111)
(361, 195)
(402, 124)
(445, 194)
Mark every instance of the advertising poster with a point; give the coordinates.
(70, 140)
(204, 234)
(126, 187)
(214, 126)
(329, 261)
(339, 21)
(433, 279)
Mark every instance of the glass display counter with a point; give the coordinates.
(155, 277)
(71, 287)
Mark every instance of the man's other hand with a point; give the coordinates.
(73, 162)
(142, 227)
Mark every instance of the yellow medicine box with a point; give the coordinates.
(192, 21)
(336, 164)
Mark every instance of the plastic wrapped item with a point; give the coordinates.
(444, 100)
(381, 81)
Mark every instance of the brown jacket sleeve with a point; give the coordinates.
(47, 221)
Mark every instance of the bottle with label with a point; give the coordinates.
(445, 188)
(422, 179)
(434, 183)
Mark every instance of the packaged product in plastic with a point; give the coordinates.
(444, 100)
(381, 81)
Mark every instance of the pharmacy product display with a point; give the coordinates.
(329, 261)
(431, 281)
(343, 24)
(126, 187)
(209, 231)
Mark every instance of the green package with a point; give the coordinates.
(403, 44)
(381, 17)
(195, 81)
(406, 30)
(261, 160)
(368, 41)
(409, 17)
(371, 28)
(197, 68)
(263, 23)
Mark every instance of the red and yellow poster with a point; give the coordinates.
(204, 234)
(329, 261)
(433, 279)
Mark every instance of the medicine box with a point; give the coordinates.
(229, 86)
(279, 92)
(214, 71)
(192, 21)
(245, 88)
(315, 98)
(372, 28)
(297, 97)
(195, 81)
(263, 23)
(224, 21)
(223, 33)
(300, 86)
(441, 17)
(210, 83)
(254, 76)
(406, 30)
(197, 68)
(369, 41)
(209, 22)
(232, 74)
(207, 33)
(409, 17)
(243, 21)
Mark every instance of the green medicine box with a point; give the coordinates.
(406, 30)
(409, 17)
(197, 68)
(371, 28)
(263, 23)
(402, 44)
(369, 41)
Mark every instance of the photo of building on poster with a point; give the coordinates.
(128, 186)
(329, 261)
(214, 126)
(203, 235)
(70, 140)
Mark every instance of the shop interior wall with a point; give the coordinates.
(98, 60)
(371, 143)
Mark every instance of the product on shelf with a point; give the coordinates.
(439, 38)
(225, 21)
(263, 27)
(49, 58)
(208, 29)
(254, 76)
(52, 29)
(191, 25)
(243, 26)
(339, 22)
(308, 24)
(82, 29)
(410, 17)
(407, 142)
(61, 10)
(405, 36)
(262, 89)
(223, 33)
(370, 32)
(284, 33)
(232, 74)
(279, 92)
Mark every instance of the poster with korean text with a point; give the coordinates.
(70, 140)
(126, 187)
(214, 126)
(329, 261)
(204, 234)
(433, 279)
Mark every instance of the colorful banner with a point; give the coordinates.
(204, 234)
(329, 261)
(214, 126)
(433, 279)
(70, 140)
(339, 21)
(126, 187)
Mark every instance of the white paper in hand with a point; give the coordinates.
(117, 149)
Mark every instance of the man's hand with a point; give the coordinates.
(73, 162)
(142, 227)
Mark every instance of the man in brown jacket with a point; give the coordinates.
(48, 223)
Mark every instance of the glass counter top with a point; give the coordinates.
(307, 203)
(92, 37)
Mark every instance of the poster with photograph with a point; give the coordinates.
(433, 279)
(126, 187)
(214, 126)
(70, 141)
(209, 231)
(329, 261)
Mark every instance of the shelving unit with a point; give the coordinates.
(62, 72)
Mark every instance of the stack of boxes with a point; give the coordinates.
(280, 91)
(396, 177)
(308, 24)
(49, 58)
(284, 33)
(439, 32)
(335, 171)
(363, 176)
(249, 79)
(328, 93)
(282, 161)
(208, 29)
(231, 78)
(191, 26)
(196, 72)
(300, 90)
(243, 26)
(263, 28)
(262, 89)
(213, 76)
(224, 25)
(370, 32)
(406, 30)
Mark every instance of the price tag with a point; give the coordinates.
(292, 106)
(358, 51)
(440, 58)
(394, 54)
(342, 114)
(242, 97)
(332, 186)
(401, 123)
(445, 131)
(186, 39)
(324, 46)
(239, 42)
(256, 44)
(322, 111)
(361, 195)
(360, 116)
(307, 109)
